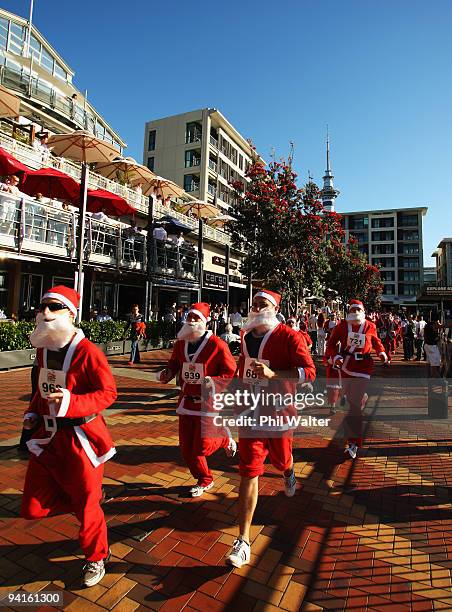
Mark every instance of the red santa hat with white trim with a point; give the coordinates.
(356, 304)
(69, 297)
(202, 309)
(271, 296)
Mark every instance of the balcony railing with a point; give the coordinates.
(214, 142)
(212, 189)
(37, 89)
(28, 226)
(212, 165)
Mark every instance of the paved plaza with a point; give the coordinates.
(373, 534)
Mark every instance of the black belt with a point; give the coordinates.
(62, 422)
(359, 356)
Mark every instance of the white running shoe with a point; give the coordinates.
(198, 490)
(94, 571)
(240, 553)
(352, 450)
(364, 401)
(290, 484)
(231, 450)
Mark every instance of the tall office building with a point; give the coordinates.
(392, 240)
(200, 151)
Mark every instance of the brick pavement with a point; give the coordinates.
(374, 534)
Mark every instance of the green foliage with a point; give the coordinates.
(14, 336)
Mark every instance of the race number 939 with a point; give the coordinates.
(193, 373)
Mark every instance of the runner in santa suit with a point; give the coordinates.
(270, 351)
(349, 348)
(198, 354)
(71, 442)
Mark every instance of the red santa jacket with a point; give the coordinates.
(362, 367)
(285, 349)
(217, 361)
(89, 389)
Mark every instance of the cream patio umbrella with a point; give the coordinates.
(86, 148)
(9, 103)
(201, 209)
(162, 186)
(126, 168)
(220, 220)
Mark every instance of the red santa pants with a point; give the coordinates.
(60, 484)
(354, 388)
(389, 345)
(333, 385)
(195, 448)
(254, 451)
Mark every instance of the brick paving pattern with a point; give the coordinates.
(373, 534)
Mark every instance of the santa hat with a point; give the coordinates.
(356, 304)
(271, 296)
(202, 309)
(69, 297)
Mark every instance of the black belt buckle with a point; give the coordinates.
(358, 356)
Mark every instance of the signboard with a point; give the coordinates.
(212, 280)
(221, 261)
(440, 291)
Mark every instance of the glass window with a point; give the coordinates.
(191, 182)
(3, 289)
(16, 38)
(60, 72)
(192, 158)
(193, 132)
(359, 222)
(388, 289)
(46, 60)
(383, 222)
(151, 163)
(382, 235)
(3, 33)
(384, 262)
(151, 144)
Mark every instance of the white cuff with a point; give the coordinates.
(30, 415)
(336, 357)
(384, 355)
(301, 374)
(64, 406)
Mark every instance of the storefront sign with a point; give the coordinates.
(212, 280)
(439, 291)
(221, 261)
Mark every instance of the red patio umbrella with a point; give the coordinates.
(10, 165)
(112, 203)
(52, 183)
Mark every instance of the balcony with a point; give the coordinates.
(175, 261)
(191, 186)
(212, 189)
(195, 161)
(28, 226)
(213, 142)
(39, 90)
(29, 156)
(212, 165)
(193, 137)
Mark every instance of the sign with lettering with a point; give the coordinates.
(439, 290)
(212, 280)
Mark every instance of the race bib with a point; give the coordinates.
(51, 381)
(356, 340)
(250, 376)
(192, 373)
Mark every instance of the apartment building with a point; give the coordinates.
(200, 151)
(443, 256)
(392, 240)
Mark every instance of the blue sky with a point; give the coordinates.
(377, 71)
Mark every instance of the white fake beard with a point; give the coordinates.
(264, 318)
(191, 331)
(53, 333)
(356, 317)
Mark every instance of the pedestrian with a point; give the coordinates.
(321, 335)
(419, 337)
(137, 332)
(270, 350)
(349, 350)
(236, 320)
(408, 330)
(312, 330)
(71, 442)
(431, 348)
(198, 354)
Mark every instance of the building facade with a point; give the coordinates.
(443, 256)
(392, 240)
(200, 151)
(38, 239)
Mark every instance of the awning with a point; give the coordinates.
(112, 203)
(11, 165)
(52, 183)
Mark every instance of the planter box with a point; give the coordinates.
(143, 345)
(127, 346)
(17, 359)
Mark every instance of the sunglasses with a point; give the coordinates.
(53, 307)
